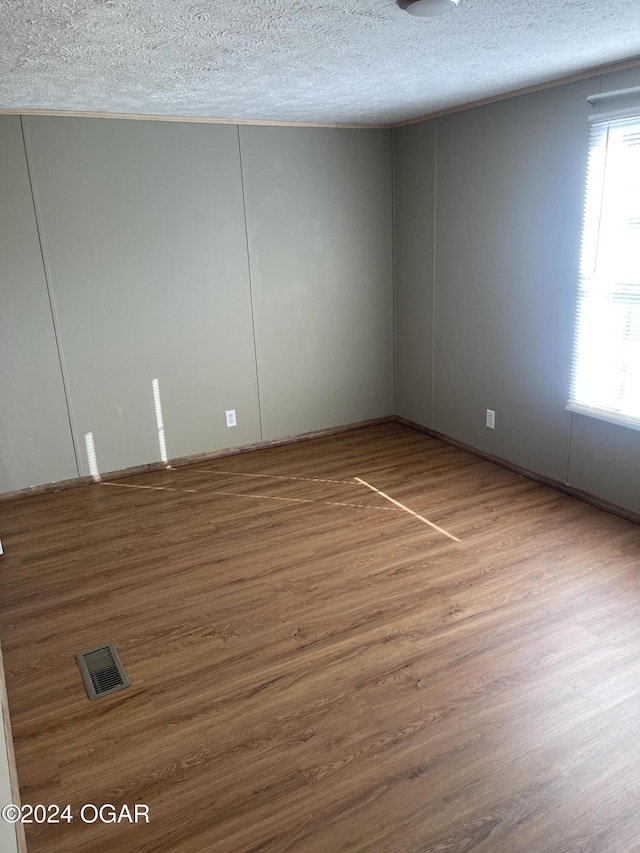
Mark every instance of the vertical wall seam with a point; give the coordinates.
(251, 297)
(433, 275)
(52, 305)
(394, 274)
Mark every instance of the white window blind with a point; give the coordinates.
(605, 375)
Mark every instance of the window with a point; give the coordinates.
(605, 376)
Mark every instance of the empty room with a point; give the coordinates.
(319, 426)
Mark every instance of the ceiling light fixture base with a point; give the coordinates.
(431, 8)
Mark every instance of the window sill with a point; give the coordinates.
(603, 415)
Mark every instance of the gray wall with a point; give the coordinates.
(504, 184)
(143, 231)
(35, 441)
(414, 183)
(252, 269)
(319, 213)
(149, 267)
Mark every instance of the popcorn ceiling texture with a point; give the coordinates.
(362, 61)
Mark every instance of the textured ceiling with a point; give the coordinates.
(363, 61)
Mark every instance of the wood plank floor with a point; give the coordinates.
(315, 669)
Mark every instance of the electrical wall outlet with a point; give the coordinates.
(230, 416)
(491, 419)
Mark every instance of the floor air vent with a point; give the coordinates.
(102, 671)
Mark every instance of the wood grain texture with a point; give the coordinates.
(314, 669)
(594, 500)
(177, 461)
